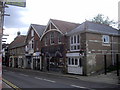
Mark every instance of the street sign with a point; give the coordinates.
(119, 15)
(20, 3)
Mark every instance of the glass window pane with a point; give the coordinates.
(78, 39)
(75, 48)
(106, 39)
(78, 46)
(71, 40)
(76, 61)
(72, 61)
(74, 39)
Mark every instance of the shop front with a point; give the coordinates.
(13, 61)
(20, 62)
(74, 63)
(53, 59)
(28, 61)
(36, 61)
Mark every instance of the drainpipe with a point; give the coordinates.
(113, 61)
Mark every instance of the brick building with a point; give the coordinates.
(53, 42)
(69, 47)
(33, 46)
(96, 40)
(17, 52)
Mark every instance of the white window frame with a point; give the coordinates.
(52, 38)
(72, 44)
(70, 58)
(107, 37)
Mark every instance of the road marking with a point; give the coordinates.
(23, 74)
(38, 78)
(45, 79)
(49, 80)
(11, 85)
(79, 86)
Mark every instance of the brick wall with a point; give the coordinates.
(96, 48)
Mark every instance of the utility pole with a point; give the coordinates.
(1, 34)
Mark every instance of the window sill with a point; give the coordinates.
(105, 44)
(52, 44)
(74, 50)
(73, 65)
(59, 42)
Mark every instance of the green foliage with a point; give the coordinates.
(102, 20)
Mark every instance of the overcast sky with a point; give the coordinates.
(40, 11)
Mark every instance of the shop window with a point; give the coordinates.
(74, 61)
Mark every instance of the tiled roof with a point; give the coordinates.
(95, 27)
(64, 26)
(39, 28)
(18, 42)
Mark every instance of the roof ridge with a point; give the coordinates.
(100, 24)
(38, 24)
(64, 21)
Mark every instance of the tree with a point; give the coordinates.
(103, 20)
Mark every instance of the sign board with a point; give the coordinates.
(20, 3)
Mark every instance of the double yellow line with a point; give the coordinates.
(10, 84)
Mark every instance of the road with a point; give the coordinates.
(37, 79)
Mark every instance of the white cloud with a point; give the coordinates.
(12, 32)
(40, 11)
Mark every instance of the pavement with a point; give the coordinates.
(4, 85)
(110, 78)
